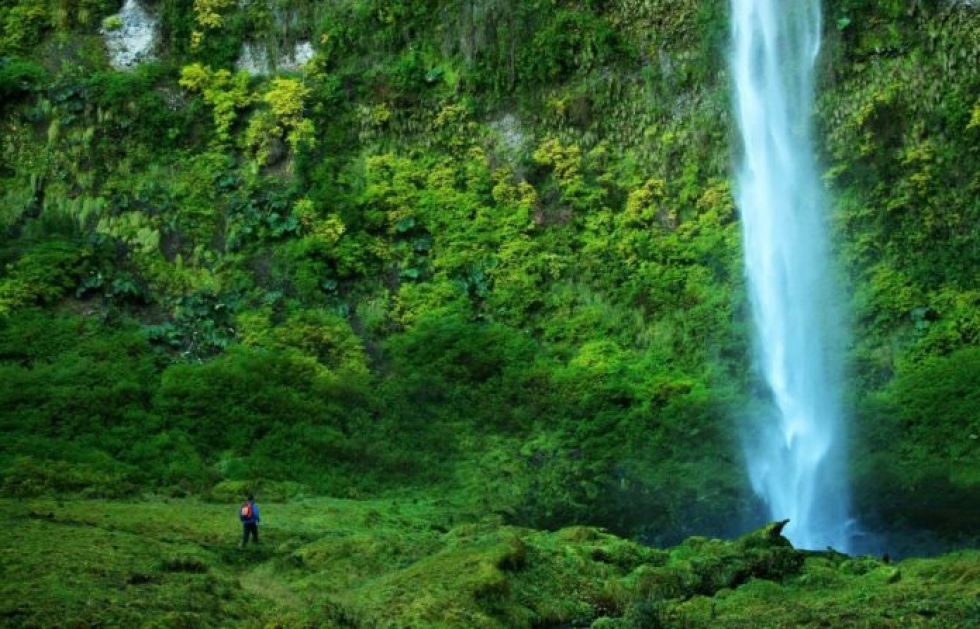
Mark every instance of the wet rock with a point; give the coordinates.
(131, 36)
(255, 59)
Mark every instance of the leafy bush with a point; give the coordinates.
(29, 477)
(97, 382)
(138, 106)
(916, 448)
(224, 92)
(41, 275)
(567, 42)
(19, 77)
(168, 460)
(937, 402)
(273, 414)
(512, 47)
(21, 25)
(460, 351)
(30, 336)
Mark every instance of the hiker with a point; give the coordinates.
(249, 514)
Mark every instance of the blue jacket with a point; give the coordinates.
(255, 514)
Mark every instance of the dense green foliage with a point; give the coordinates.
(487, 249)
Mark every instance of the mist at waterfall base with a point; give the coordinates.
(795, 449)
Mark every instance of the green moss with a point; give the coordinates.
(70, 569)
(396, 563)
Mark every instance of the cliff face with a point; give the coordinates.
(488, 247)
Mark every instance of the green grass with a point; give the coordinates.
(427, 564)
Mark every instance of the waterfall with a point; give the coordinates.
(795, 453)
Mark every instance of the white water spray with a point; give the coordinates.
(794, 458)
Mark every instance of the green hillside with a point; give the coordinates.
(479, 252)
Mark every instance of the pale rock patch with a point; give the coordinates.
(255, 59)
(131, 36)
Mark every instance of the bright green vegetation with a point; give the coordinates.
(400, 563)
(431, 259)
(403, 563)
(485, 251)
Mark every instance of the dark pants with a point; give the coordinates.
(250, 528)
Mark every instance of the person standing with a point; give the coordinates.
(249, 514)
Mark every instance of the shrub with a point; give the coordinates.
(938, 400)
(460, 351)
(225, 92)
(29, 476)
(22, 22)
(273, 415)
(82, 383)
(43, 274)
(19, 77)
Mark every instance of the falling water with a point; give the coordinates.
(795, 452)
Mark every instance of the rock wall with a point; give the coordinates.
(131, 36)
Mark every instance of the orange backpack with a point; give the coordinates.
(247, 511)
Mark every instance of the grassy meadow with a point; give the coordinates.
(403, 562)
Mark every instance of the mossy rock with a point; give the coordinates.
(465, 584)
(859, 566)
(769, 536)
(603, 547)
(660, 583)
(820, 572)
(884, 575)
(710, 565)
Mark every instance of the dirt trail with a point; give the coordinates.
(263, 582)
